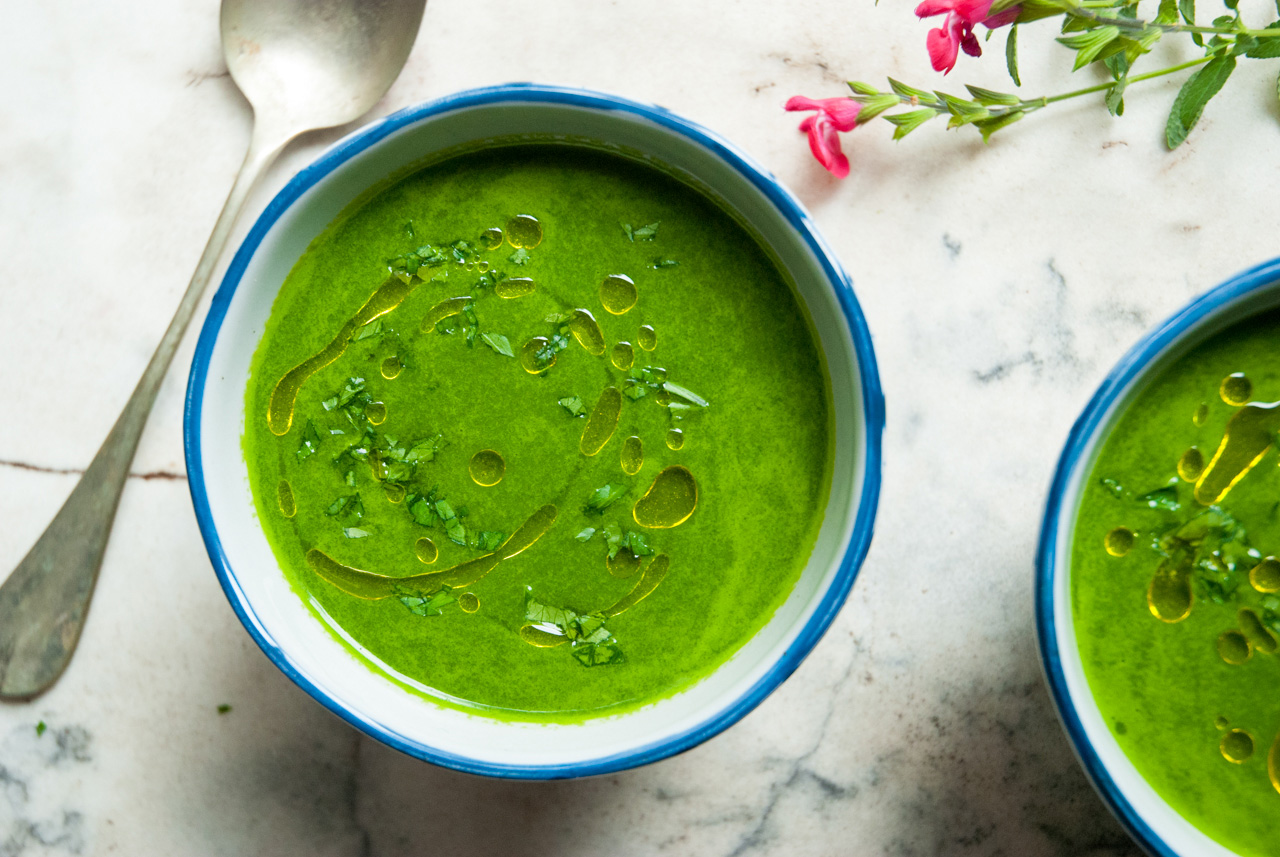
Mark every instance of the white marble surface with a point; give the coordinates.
(1000, 283)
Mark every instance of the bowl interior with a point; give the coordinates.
(373, 699)
(1149, 818)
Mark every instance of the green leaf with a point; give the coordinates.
(863, 88)
(373, 328)
(1168, 13)
(585, 534)
(1011, 55)
(591, 643)
(574, 405)
(421, 604)
(355, 533)
(604, 497)
(422, 512)
(40, 727)
(630, 233)
(1089, 44)
(962, 107)
(1187, 8)
(612, 535)
(1115, 99)
(1267, 48)
(498, 343)
(425, 450)
(1193, 97)
(920, 95)
(874, 105)
(637, 544)
(456, 532)
(987, 127)
(645, 233)
(685, 393)
(990, 97)
(909, 121)
(310, 442)
(1165, 498)
(490, 540)
(520, 257)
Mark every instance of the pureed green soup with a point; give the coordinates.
(542, 430)
(1174, 585)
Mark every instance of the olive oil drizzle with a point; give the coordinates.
(670, 500)
(280, 407)
(1248, 436)
(653, 575)
(602, 423)
(443, 310)
(585, 329)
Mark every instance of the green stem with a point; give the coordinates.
(1084, 10)
(1042, 102)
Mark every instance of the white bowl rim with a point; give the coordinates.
(1056, 519)
(793, 212)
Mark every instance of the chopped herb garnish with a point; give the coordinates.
(349, 506)
(591, 643)
(685, 393)
(574, 405)
(425, 450)
(425, 605)
(618, 540)
(224, 708)
(1162, 498)
(644, 233)
(585, 534)
(1112, 486)
(310, 442)
(372, 329)
(423, 512)
(490, 540)
(664, 263)
(355, 533)
(456, 532)
(498, 343)
(520, 257)
(604, 497)
(40, 727)
(634, 390)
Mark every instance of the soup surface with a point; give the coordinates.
(1175, 589)
(541, 430)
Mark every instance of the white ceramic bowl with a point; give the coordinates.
(374, 700)
(1147, 817)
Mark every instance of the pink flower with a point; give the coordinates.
(956, 32)
(834, 115)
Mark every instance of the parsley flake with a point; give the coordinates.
(643, 233)
(520, 257)
(498, 343)
(591, 643)
(355, 533)
(604, 497)
(574, 405)
(585, 534)
(420, 604)
(40, 727)
(310, 442)
(660, 262)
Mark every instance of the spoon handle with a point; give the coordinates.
(44, 601)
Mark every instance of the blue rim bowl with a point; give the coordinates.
(1146, 816)
(377, 703)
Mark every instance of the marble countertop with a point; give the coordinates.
(1000, 283)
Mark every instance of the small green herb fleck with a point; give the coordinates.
(520, 257)
(591, 643)
(40, 727)
(421, 604)
(224, 708)
(585, 534)
(574, 405)
(604, 497)
(660, 262)
(355, 533)
(490, 540)
(685, 393)
(498, 343)
(1112, 486)
(643, 233)
(612, 534)
(1162, 498)
(310, 442)
(372, 329)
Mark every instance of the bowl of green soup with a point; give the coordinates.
(535, 432)
(1158, 588)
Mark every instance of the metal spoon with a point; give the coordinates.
(303, 65)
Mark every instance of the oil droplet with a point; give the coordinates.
(443, 310)
(1247, 438)
(623, 564)
(1236, 746)
(524, 230)
(1265, 576)
(583, 326)
(1234, 647)
(376, 413)
(669, 501)
(662, 397)
(1221, 722)
(1259, 637)
(391, 367)
(529, 532)
(1235, 389)
(1273, 764)
(280, 408)
(483, 266)
(1169, 596)
(487, 468)
(1201, 414)
(623, 355)
(632, 455)
(1190, 465)
(648, 338)
(602, 422)
(653, 575)
(395, 493)
(529, 359)
(468, 602)
(284, 493)
(375, 587)
(514, 287)
(542, 639)
(491, 239)
(617, 293)
(1119, 541)
(675, 439)
(425, 550)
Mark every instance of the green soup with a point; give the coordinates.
(1174, 590)
(540, 430)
